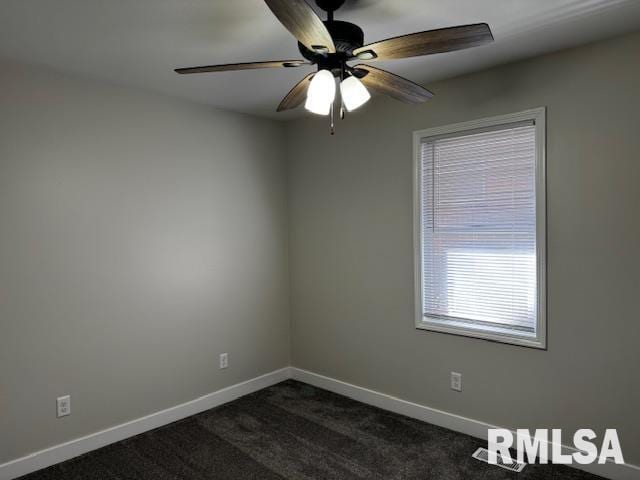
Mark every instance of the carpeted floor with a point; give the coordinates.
(294, 431)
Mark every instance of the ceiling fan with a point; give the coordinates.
(332, 44)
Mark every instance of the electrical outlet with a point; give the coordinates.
(224, 360)
(64, 406)
(456, 381)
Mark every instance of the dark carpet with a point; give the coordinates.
(295, 431)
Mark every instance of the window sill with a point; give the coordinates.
(493, 335)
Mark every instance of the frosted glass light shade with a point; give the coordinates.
(321, 93)
(354, 93)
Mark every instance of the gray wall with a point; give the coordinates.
(351, 250)
(139, 238)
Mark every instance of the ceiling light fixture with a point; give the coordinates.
(321, 93)
(354, 93)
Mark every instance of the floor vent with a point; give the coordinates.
(482, 454)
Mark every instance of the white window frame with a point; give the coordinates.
(538, 116)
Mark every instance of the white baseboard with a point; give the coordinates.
(444, 419)
(65, 451)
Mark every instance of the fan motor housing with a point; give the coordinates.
(346, 38)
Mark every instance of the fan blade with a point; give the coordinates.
(392, 85)
(427, 43)
(303, 23)
(297, 94)
(243, 66)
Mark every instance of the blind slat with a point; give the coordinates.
(479, 227)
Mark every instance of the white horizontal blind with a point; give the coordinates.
(479, 228)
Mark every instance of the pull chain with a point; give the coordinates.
(332, 125)
(342, 75)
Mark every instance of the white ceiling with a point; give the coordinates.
(140, 42)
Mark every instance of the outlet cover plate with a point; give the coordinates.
(224, 360)
(64, 406)
(456, 381)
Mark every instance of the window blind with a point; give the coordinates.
(479, 228)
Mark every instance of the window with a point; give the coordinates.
(480, 229)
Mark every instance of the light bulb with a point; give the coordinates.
(354, 93)
(321, 93)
